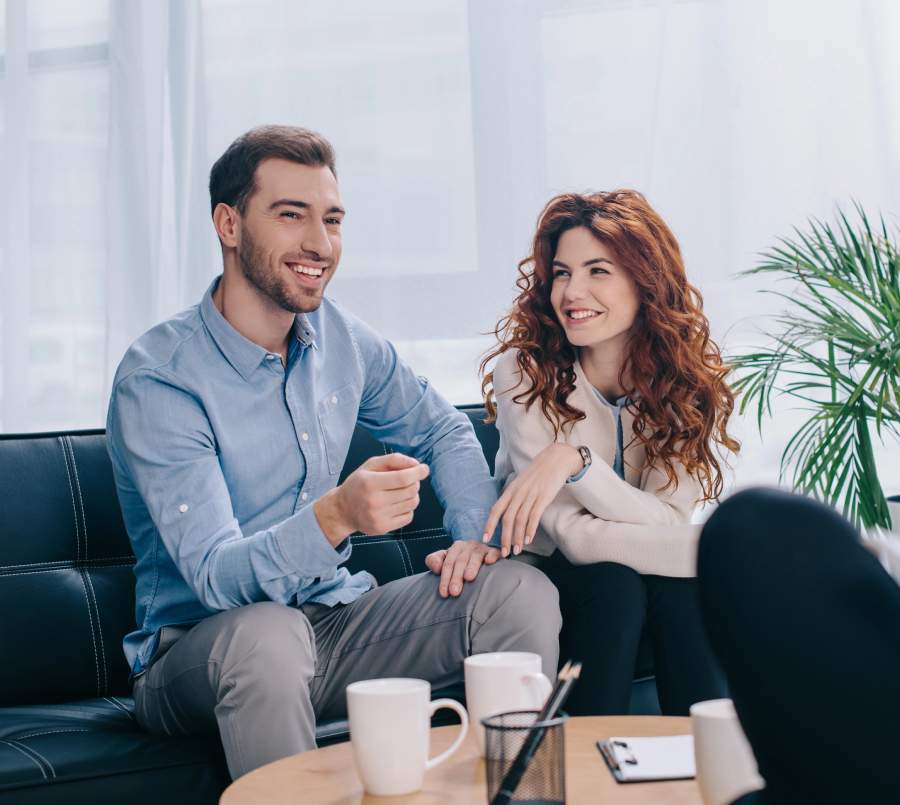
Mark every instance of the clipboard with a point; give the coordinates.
(641, 760)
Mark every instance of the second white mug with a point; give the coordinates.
(726, 766)
(501, 681)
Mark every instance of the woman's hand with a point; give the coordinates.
(523, 501)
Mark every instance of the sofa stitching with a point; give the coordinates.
(55, 569)
(402, 558)
(62, 446)
(369, 541)
(80, 499)
(433, 531)
(30, 757)
(87, 575)
(93, 637)
(51, 732)
(401, 534)
(406, 557)
(168, 763)
(436, 535)
(369, 538)
(35, 751)
(66, 563)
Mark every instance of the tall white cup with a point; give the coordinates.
(390, 720)
(502, 681)
(726, 767)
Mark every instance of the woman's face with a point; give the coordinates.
(594, 298)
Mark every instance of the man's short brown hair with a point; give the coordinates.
(232, 178)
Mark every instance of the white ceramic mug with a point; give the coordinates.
(502, 681)
(390, 722)
(726, 767)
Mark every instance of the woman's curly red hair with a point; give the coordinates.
(680, 398)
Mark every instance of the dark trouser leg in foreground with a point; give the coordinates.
(606, 607)
(806, 624)
(261, 674)
(687, 670)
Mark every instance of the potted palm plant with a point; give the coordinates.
(836, 350)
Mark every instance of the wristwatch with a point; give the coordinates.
(585, 454)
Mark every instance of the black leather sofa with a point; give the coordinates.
(67, 729)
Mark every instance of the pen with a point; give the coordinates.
(564, 681)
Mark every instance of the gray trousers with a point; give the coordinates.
(261, 674)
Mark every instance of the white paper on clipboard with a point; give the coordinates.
(633, 760)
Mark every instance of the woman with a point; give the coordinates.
(612, 407)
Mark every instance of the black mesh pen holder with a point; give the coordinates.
(544, 780)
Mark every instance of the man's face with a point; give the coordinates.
(290, 241)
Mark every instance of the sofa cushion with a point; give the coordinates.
(93, 750)
(67, 597)
(96, 748)
(65, 570)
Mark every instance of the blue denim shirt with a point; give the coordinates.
(219, 452)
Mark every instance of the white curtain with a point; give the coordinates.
(158, 258)
(454, 122)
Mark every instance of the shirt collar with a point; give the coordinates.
(620, 402)
(304, 331)
(244, 355)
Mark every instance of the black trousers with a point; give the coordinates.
(605, 609)
(806, 624)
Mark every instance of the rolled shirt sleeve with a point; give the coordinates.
(162, 438)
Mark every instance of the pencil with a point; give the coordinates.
(566, 678)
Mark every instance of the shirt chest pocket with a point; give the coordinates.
(336, 412)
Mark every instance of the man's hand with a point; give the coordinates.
(379, 496)
(460, 562)
(523, 502)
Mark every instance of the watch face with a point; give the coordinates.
(585, 455)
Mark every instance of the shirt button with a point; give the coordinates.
(333, 400)
(271, 357)
(183, 508)
(303, 496)
(304, 436)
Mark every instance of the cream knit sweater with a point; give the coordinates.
(600, 517)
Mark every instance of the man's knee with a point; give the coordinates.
(266, 640)
(517, 610)
(523, 594)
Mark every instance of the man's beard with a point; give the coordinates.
(268, 281)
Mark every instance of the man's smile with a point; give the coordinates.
(307, 273)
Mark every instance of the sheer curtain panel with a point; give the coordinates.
(454, 121)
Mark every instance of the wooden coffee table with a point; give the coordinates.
(328, 777)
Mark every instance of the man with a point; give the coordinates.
(228, 427)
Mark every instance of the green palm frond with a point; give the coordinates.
(836, 349)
